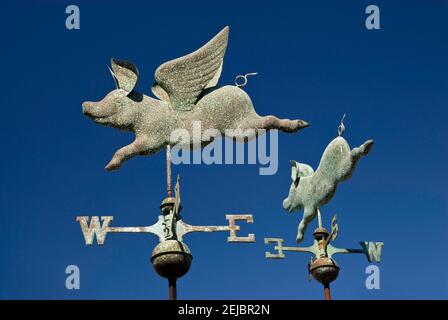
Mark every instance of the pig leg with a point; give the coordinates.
(362, 150)
(141, 146)
(355, 155)
(286, 125)
(308, 215)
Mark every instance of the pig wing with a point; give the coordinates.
(181, 81)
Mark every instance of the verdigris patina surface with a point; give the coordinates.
(187, 92)
(312, 189)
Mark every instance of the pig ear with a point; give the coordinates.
(300, 170)
(304, 170)
(125, 74)
(294, 172)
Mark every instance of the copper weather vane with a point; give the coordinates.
(309, 191)
(187, 90)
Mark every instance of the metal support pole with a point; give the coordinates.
(168, 171)
(327, 291)
(172, 289)
(319, 218)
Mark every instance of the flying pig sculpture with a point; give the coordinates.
(187, 91)
(312, 189)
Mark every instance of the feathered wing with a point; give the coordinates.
(181, 81)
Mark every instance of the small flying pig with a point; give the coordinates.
(312, 189)
(187, 92)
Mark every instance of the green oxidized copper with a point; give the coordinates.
(187, 92)
(312, 189)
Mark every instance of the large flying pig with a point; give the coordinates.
(312, 189)
(187, 92)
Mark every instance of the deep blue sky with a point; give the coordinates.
(315, 59)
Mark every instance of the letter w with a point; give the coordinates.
(95, 227)
(372, 250)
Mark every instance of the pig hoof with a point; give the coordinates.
(302, 124)
(295, 125)
(367, 146)
(299, 237)
(113, 165)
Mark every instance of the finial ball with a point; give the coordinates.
(324, 270)
(171, 259)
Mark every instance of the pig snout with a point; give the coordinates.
(87, 108)
(97, 110)
(287, 204)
